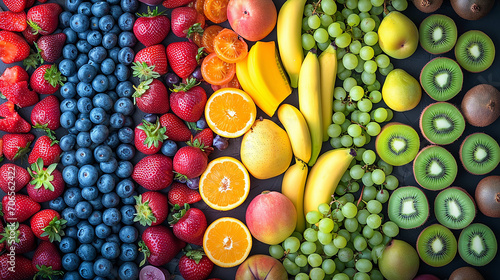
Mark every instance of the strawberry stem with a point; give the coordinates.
(144, 215)
(190, 83)
(53, 76)
(46, 272)
(143, 71)
(145, 250)
(155, 133)
(42, 177)
(55, 229)
(35, 26)
(141, 88)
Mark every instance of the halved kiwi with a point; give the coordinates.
(475, 51)
(442, 78)
(477, 244)
(435, 168)
(454, 208)
(441, 123)
(436, 245)
(438, 34)
(408, 207)
(397, 144)
(479, 153)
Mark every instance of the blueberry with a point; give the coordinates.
(113, 2)
(125, 89)
(68, 158)
(81, 60)
(84, 8)
(125, 188)
(102, 231)
(87, 73)
(83, 35)
(68, 105)
(102, 152)
(125, 106)
(130, 6)
(70, 262)
(83, 141)
(128, 252)
(125, 169)
(129, 200)
(99, 133)
(97, 243)
(126, 56)
(110, 200)
(128, 234)
(125, 151)
(221, 143)
(109, 40)
(126, 135)
(111, 216)
(128, 214)
(83, 210)
(67, 142)
(113, 141)
(128, 271)
(115, 30)
(70, 52)
(106, 183)
(107, 68)
(94, 23)
(96, 65)
(72, 196)
(64, 18)
(85, 234)
(84, 105)
(110, 250)
(90, 193)
(97, 115)
(103, 267)
(126, 21)
(87, 175)
(169, 148)
(71, 275)
(70, 175)
(67, 245)
(117, 120)
(83, 46)
(95, 218)
(103, 101)
(94, 38)
(68, 90)
(87, 252)
(71, 232)
(69, 214)
(109, 166)
(97, 203)
(116, 11)
(98, 54)
(84, 89)
(116, 228)
(57, 204)
(71, 36)
(83, 124)
(100, 9)
(72, 5)
(86, 270)
(126, 39)
(106, 23)
(73, 79)
(122, 72)
(113, 54)
(100, 83)
(113, 82)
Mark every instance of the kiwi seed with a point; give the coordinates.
(397, 144)
(479, 153)
(436, 245)
(475, 51)
(454, 208)
(442, 78)
(441, 123)
(408, 207)
(477, 244)
(438, 34)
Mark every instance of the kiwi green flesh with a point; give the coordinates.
(436, 245)
(442, 79)
(488, 196)
(481, 105)
(454, 208)
(475, 51)
(477, 244)
(479, 153)
(438, 34)
(408, 207)
(397, 144)
(466, 273)
(441, 123)
(435, 168)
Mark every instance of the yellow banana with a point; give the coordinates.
(297, 130)
(325, 176)
(328, 69)
(292, 186)
(289, 34)
(310, 102)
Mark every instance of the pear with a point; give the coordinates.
(398, 35)
(399, 261)
(401, 92)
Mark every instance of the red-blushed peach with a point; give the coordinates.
(271, 217)
(259, 267)
(252, 20)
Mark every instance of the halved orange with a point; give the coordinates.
(198, 5)
(230, 112)
(229, 46)
(215, 71)
(227, 242)
(215, 10)
(209, 34)
(225, 184)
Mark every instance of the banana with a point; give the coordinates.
(325, 176)
(297, 130)
(289, 34)
(292, 186)
(328, 69)
(309, 89)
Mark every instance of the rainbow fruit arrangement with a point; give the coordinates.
(107, 182)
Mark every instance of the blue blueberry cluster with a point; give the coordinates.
(97, 109)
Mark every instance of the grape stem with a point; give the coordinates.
(361, 196)
(386, 11)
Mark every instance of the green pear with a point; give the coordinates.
(401, 92)
(398, 35)
(399, 261)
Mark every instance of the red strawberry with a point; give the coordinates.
(151, 97)
(10, 121)
(152, 27)
(189, 224)
(46, 113)
(14, 74)
(183, 18)
(176, 129)
(18, 208)
(46, 79)
(47, 149)
(190, 162)
(205, 138)
(150, 62)
(30, 35)
(12, 21)
(47, 260)
(188, 101)
(13, 48)
(15, 146)
(195, 265)
(180, 194)
(48, 225)
(21, 270)
(44, 18)
(50, 46)
(15, 5)
(20, 94)
(159, 245)
(151, 208)
(154, 172)
(47, 183)
(13, 177)
(182, 58)
(149, 137)
(1, 149)
(20, 236)
(170, 4)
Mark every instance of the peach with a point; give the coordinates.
(259, 267)
(252, 20)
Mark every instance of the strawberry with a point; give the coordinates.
(20, 94)
(12, 21)
(13, 177)
(47, 149)
(170, 4)
(15, 267)
(30, 35)
(150, 62)
(50, 46)
(189, 162)
(195, 265)
(10, 121)
(15, 6)
(46, 113)
(1, 148)
(15, 146)
(47, 183)
(151, 97)
(48, 225)
(151, 208)
(47, 260)
(14, 74)
(44, 18)
(149, 137)
(180, 194)
(183, 18)
(152, 27)
(188, 101)
(20, 236)
(205, 138)
(18, 208)
(189, 224)
(159, 245)
(195, 34)
(176, 130)
(46, 79)
(182, 58)
(13, 48)
(154, 172)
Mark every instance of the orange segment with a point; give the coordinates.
(227, 242)
(225, 184)
(234, 83)
(229, 47)
(215, 71)
(230, 112)
(215, 10)
(209, 34)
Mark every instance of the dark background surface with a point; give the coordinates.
(413, 65)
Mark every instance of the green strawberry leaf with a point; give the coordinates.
(145, 250)
(193, 29)
(150, 13)
(155, 133)
(143, 71)
(141, 88)
(144, 215)
(195, 255)
(53, 76)
(34, 59)
(11, 234)
(55, 229)
(191, 82)
(47, 272)
(35, 26)
(42, 177)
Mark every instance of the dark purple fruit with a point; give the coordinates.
(466, 273)
(171, 79)
(197, 74)
(150, 118)
(488, 196)
(472, 9)
(220, 142)
(427, 6)
(481, 105)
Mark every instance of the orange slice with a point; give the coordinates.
(215, 10)
(229, 46)
(209, 34)
(225, 184)
(230, 112)
(215, 71)
(234, 83)
(227, 242)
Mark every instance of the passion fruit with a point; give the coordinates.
(488, 196)
(472, 9)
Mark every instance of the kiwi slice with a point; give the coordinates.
(408, 207)
(397, 144)
(438, 34)
(454, 208)
(479, 153)
(436, 245)
(442, 78)
(435, 168)
(475, 51)
(477, 244)
(441, 123)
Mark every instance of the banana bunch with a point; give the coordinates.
(292, 186)
(297, 130)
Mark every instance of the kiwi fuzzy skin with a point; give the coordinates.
(472, 9)
(461, 151)
(488, 196)
(420, 124)
(481, 105)
(427, 6)
(466, 273)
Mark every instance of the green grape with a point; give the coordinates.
(339, 106)
(363, 15)
(361, 276)
(356, 93)
(340, 276)
(369, 157)
(370, 191)
(341, 22)
(371, 38)
(353, 20)
(346, 141)
(366, 53)
(349, 83)
(301, 260)
(339, 241)
(365, 105)
(313, 217)
(360, 243)
(345, 177)
(328, 266)
(368, 232)
(305, 25)
(349, 210)
(390, 114)
(380, 115)
(374, 221)
(374, 206)
(378, 176)
(308, 10)
(343, 40)
(323, 46)
(308, 41)
(399, 5)
(310, 235)
(325, 225)
(340, 55)
(341, 189)
(387, 70)
(349, 197)
(353, 187)
(376, 10)
(354, 130)
(357, 172)
(351, 4)
(339, 93)
(297, 235)
(368, 78)
(375, 96)
(302, 276)
(351, 224)
(314, 260)
(370, 66)
(329, 7)
(338, 118)
(367, 24)
(377, 3)
(359, 68)
(357, 32)
(324, 238)
(391, 182)
(362, 215)
(376, 238)
(339, 217)
(349, 60)
(365, 254)
(364, 5)
(307, 247)
(376, 275)
(324, 208)
(334, 29)
(335, 143)
(291, 244)
(382, 60)
(376, 49)
(314, 21)
(375, 86)
(317, 274)
(291, 267)
(390, 229)
(339, 265)
(382, 195)
(326, 20)
(344, 74)
(321, 35)
(350, 268)
(364, 118)
(373, 128)
(276, 251)
(355, 46)
(345, 254)
(330, 249)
